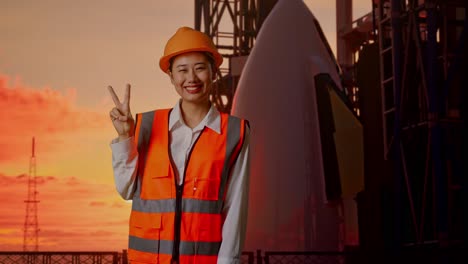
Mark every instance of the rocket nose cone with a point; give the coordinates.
(289, 36)
(276, 95)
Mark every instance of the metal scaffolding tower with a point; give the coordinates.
(352, 35)
(422, 47)
(31, 226)
(233, 26)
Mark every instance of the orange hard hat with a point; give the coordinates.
(187, 39)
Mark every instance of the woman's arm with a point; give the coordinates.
(125, 165)
(236, 207)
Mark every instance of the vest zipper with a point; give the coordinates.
(178, 209)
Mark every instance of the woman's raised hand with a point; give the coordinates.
(120, 115)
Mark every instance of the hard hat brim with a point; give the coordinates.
(165, 60)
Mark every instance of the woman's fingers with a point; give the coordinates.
(120, 115)
(114, 96)
(115, 114)
(123, 118)
(127, 96)
(123, 106)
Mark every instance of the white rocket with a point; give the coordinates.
(306, 144)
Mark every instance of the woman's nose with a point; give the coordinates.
(192, 76)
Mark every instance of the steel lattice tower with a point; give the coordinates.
(31, 226)
(417, 122)
(233, 26)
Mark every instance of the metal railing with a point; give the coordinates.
(304, 257)
(22, 257)
(427, 256)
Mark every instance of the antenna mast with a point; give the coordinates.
(31, 227)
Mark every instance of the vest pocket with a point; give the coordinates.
(146, 225)
(158, 187)
(210, 228)
(144, 241)
(163, 186)
(158, 182)
(208, 238)
(204, 188)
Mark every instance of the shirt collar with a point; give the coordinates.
(212, 119)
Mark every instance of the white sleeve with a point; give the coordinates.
(124, 164)
(235, 208)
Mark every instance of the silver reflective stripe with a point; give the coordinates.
(150, 245)
(168, 205)
(143, 142)
(153, 206)
(201, 206)
(199, 248)
(233, 137)
(165, 246)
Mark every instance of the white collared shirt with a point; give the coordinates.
(124, 162)
(183, 137)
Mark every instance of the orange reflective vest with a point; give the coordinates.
(181, 222)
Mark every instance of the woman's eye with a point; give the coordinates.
(200, 68)
(182, 70)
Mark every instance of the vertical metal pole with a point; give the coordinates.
(344, 20)
(197, 15)
(441, 185)
(259, 257)
(464, 83)
(398, 182)
(124, 257)
(464, 116)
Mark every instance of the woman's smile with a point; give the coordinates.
(194, 89)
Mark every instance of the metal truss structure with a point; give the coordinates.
(31, 226)
(423, 63)
(233, 26)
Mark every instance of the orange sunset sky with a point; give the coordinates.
(56, 59)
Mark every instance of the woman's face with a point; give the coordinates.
(192, 76)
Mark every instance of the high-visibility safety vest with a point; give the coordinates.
(181, 222)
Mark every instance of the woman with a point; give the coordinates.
(186, 169)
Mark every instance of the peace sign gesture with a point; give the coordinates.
(120, 115)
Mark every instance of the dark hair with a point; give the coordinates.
(208, 55)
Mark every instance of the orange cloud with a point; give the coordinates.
(23, 178)
(73, 214)
(42, 112)
(97, 204)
